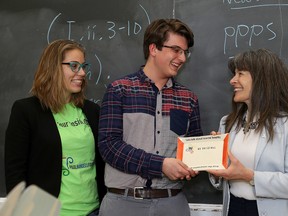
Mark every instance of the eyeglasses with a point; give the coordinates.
(178, 50)
(76, 66)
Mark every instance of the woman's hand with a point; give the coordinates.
(214, 133)
(236, 170)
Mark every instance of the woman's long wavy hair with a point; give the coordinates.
(48, 85)
(269, 97)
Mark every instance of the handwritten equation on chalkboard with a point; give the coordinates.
(108, 30)
(266, 28)
(91, 30)
(240, 32)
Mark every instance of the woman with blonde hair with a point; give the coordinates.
(51, 138)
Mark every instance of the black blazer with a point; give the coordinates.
(33, 151)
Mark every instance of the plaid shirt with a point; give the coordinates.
(139, 126)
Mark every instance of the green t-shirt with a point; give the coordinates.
(78, 194)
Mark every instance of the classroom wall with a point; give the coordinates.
(112, 31)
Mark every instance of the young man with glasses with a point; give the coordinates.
(142, 115)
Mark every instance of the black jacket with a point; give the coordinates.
(33, 151)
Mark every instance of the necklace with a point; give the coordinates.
(252, 125)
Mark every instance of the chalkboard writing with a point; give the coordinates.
(112, 32)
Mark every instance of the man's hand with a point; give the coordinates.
(175, 169)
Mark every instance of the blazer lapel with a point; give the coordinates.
(260, 147)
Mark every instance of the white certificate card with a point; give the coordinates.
(204, 152)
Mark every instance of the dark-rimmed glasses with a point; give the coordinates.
(178, 50)
(76, 66)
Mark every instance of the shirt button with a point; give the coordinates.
(158, 132)
(157, 152)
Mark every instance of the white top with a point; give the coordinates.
(244, 149)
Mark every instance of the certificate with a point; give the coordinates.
(204, 152)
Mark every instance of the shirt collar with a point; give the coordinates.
(143, 78)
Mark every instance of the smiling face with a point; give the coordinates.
(73, 81)
(242, 83)
(165, 62)
(169, 62)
